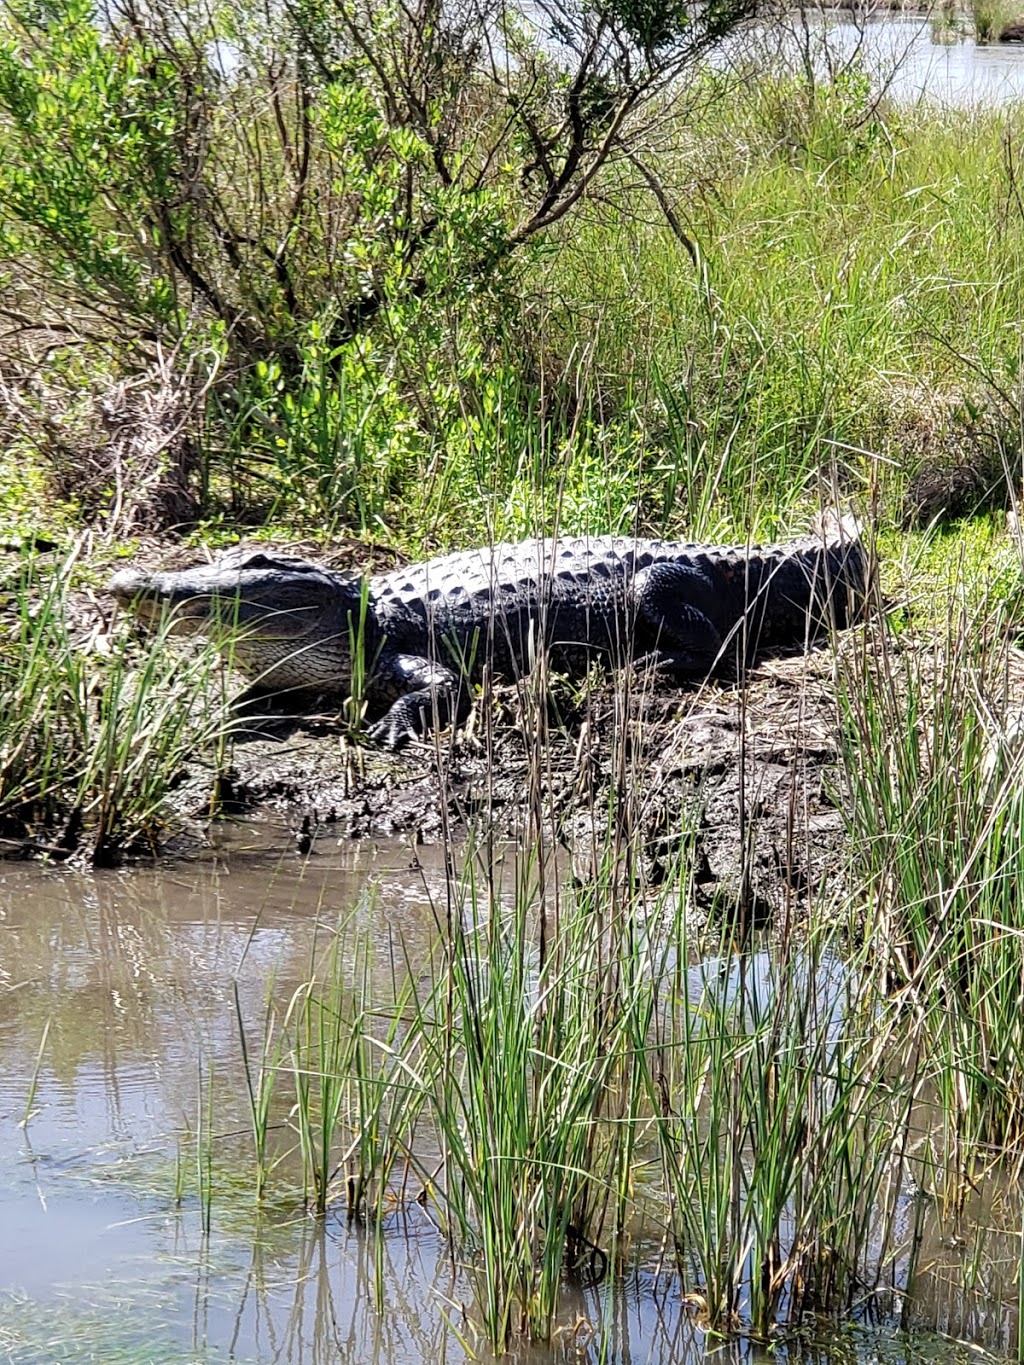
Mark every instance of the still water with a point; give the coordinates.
(120, 999)
(908, 55)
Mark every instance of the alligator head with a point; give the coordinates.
(285, 623)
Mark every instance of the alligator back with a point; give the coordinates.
(579, 595)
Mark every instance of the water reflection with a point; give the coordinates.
(309, 1295)
(131, 978)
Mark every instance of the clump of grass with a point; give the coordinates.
(936, 814)
(990, 18)
(523, 1054)
(844, 311)
(331, 1059)
(342, 1050)
(778, 1122)
(561, 1067)
(91, 743)
(261, 1081)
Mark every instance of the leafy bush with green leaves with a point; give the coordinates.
(258, 170)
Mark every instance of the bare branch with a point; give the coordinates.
(671, 217)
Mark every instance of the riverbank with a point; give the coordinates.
(849, 333)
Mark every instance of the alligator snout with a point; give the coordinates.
(128, 585)
(145, 595)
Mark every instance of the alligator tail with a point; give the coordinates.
(846, 563)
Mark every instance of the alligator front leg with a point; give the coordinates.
(673, 603)
(426, 693)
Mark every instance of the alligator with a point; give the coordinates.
(419, 632)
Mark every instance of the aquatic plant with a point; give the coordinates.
(568, 1064)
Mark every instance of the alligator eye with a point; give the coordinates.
(257, 561)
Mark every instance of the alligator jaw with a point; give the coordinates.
(151, 599)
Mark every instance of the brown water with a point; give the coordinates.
(117, 1002)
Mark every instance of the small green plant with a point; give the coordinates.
(935, 816)
(205, 1137)
(777, 1121)
(354, 708)
(260, 1085)
(346, 1077)
(30, 1097)
(90, 746)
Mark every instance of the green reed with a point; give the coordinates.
(777, 1124)
(933, 794)
(564, 1047)
(521, 1055)
(33, 1086)
(350, 1072)
(92, 740)
(354, 708)
(757, 1109)
(205, 1137)
(260, 1082)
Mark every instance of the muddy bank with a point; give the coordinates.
(739, 784)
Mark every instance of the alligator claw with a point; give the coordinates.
(412, 715)
(392, 732)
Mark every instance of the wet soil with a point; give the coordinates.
(739, 784)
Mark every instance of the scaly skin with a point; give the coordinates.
(686, 609)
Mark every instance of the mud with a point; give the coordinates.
(737, 784)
